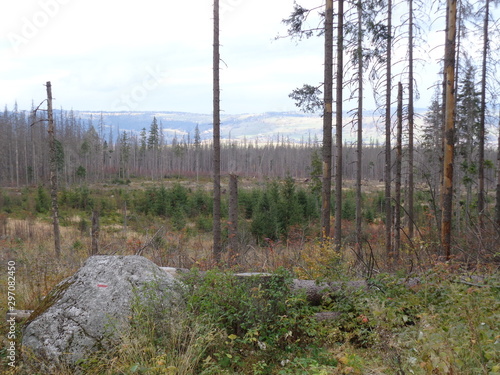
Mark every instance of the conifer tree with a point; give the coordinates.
(467, 131)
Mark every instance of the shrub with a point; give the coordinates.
(42, 201)
(177, 200)
(265, 219)
(200, 203)
(5, 201)
(309, 204)
(261, 317)
(204, 223)
(289, 211)
(78, 198)
(349, 207)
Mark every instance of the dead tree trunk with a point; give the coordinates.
(449, 139)
(498, 179)
(411, 122)
(481, 194)
(53, 173)
(338, 135)
(217, 250)
(387, 169)
(399, 162)
(233, 218)
(327, 122)
(359, 146)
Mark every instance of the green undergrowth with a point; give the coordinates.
(437, 323)
(267, 328)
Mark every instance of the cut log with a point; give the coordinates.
(315, 292)
(326, 315)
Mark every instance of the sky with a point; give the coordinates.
(153, 55)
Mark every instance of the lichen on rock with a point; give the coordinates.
(90, 310)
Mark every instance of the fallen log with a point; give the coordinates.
(314, 291)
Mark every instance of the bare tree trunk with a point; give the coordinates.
(327, 122)
(16, 142)
(359, 146)
(33, 151)
(233, 218)
(411, 218)
(449, 139)
(387, 177)
(217, 249)
(439, 213)
(338, 136)
(399, 162)
(498, 178)
(95, 233)
(53, 173)
(481, 197)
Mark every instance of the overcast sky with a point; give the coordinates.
(114, 55)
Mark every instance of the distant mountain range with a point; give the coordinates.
(292, 126)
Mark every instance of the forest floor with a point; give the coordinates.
(447, 324)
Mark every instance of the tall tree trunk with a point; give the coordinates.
(53, 173)
(439, 213)
(449, 139)
(16, 142)
(9, 143)
(411, 218)
(399, 162)
(338, 136)
(481, 198)
(233, 218)
(359, 146)
(497, 209)
(26, 159)
(327, 122)
(217, 248)
(33, 155)
(387, 171)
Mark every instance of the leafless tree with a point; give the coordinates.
(388, 149)
(497, 209)
(233, 218)
(339, 120)
(399, 162)
(327, 121)
(217, 247)
(449, 139)
(482, 125)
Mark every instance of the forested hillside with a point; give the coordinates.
(92, 151)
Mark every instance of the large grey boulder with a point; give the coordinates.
(90, 310)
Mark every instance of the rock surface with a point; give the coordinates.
(90, 310)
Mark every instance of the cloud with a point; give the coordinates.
(100, 54)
